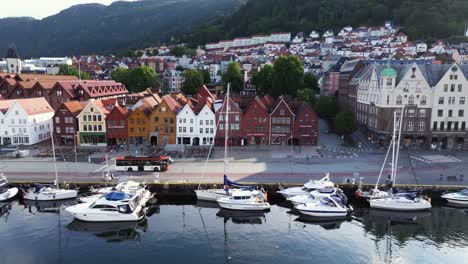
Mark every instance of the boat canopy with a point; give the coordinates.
(464, 192)
(326, 190)
(37, 187)
(117, 196)
(237, 185)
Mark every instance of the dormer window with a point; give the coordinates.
(59, 93)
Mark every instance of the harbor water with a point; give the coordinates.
(202, 233)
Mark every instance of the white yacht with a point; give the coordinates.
(41, 192)
(130, 187)
(113, 207)
(6, 193)
(398, 201)
(458, 198)
(313, 195)
(330, 206)
(245, 200)
(308, 187)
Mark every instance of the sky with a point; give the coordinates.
(41, 8)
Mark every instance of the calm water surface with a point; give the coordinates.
(200, 234)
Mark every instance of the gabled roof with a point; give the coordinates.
(12, 52)
(173, 105)
(280, 101)
(75, 107)
(5, 105)
(35, 106)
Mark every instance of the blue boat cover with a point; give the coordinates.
(117, 196)
(229, 183)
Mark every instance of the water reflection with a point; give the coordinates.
(111, 232)
(327, 224)
(242, 217)
(45, 206)
(5, 211)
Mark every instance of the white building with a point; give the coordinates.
(173, 80)
(196, 129)
(421, 47)
(450, 109)
(25, 121)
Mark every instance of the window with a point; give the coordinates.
(180, 129)
(191, 121)
(440, 113)
(85, 128)
(434, 126)
(449, 126)
(452, 88)
(463, 125)
(460, 88)
(91, 109)
(388, 99)
(452, 100)
(445, 87)
(211, 130)
(450, 113)
(94, 118)
(422, 113)
(221, 126)
(389, 81)
(89, 118)
(281, 111)
(422, 125)
(207, 130)
(207, 122)
(95, 128)
(411, 112)
(410, 126)
(201, 122)
(26, 140)
(423, 100)
(441, 100)
(57, 130)
(84, 118)
(411, 99)
(236, 118)
(201, 130)
(90, 128)
(57, 119)
(455, 126)
(398, 100)
(462, 100)
(184, 129)
(98, 118)
(191, 129)
(211, 122)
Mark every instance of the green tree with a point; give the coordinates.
(148, 53)
(307, 95)
(69, 70)
(138, 79)
(139, 53)
(206, 76)
(177, 51)
(263, 79)
(326, 107)
(310, 81)
(155, 52)
(288, 75)
(234, 76)
(344, 123)
(193, 81)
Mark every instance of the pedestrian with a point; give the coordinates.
(141, 150)
(462, 178)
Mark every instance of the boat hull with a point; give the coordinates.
(456, 199)
(244, 207)
(11, 193)
(396, 205)
(293, 191)
(210, 194)
(52, 195)
(324, 214)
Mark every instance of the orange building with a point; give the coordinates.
(163, 121)
(138, 127)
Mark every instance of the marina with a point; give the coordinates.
(209, 234)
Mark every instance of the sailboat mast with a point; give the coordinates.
(53, 152)
(392, 172)
(398, 144)
(226, 127)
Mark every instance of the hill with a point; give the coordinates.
(420, 19)
(95, 28)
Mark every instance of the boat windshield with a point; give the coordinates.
(117, 196)
(326, 190)
(464, 192)
(327, 201)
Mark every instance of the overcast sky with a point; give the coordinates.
(41, 8)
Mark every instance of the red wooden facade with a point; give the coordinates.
(305, 125)
(256, 122)
(281, 124)
(117, 126)
(235, 133)
(66, 123)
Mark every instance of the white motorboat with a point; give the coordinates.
(308, 187)
(458, 198)
(130, 187)
(41, 192)
(6, 193)
(47, 192)
(398, 201)
(401, 202)
(312, 196)
(331, 206)
(113, 207)
(245, 200)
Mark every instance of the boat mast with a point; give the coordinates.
(398, 144)
(226, 127)
(383, 166)
(53, 152)
(392, 172)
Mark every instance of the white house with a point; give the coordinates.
(26, 122)
(421, 47)
(196, 129)
(450, 109)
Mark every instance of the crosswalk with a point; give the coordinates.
(430, 159)
(337, 149)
